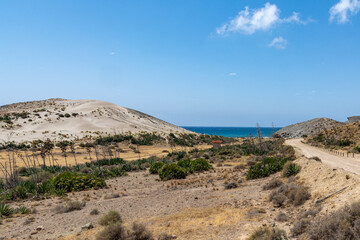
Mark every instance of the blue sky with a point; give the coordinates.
(192, 63)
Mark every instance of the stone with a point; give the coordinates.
(88, 226)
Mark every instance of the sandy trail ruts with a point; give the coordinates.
(347, 163)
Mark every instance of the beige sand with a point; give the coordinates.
(94, 118)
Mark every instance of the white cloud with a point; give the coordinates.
(249, 21)
(232, 74)
(341, 11)
(112, 53)
(279, 43)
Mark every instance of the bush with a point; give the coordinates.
(110, 218)
(281, 217)
(185, 163)
(272, 165)
(70, 206)
(295, 194)
(299, 195)
(23, 210)
(273, 183)
(165, 236)
(172, 171)
(114, 231)
(199, 165)
(5, 210)
(155, 167)
(231, 185)
(278, 199)
(342, 224)
(291, 169)
(139, 232)
(94, 212)
(357, 148)
(69, 181)
(267, 233)
(300, 227)
(24, 190)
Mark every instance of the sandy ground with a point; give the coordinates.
(93, 118)
(347, 163)
(198, 207)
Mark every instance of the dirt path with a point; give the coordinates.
(346, 163)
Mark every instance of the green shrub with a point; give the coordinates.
(23, 210)
(272, 165)
(24, 190)
(291, 169)
(185, 163)
(110, 218)
(155, 167)
(69, 181)
(5, 210)
(172, 171)
(199, 165)
(357, 148)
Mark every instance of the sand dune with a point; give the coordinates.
(60, 118)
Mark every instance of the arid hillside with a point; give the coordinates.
(344, 136)
(307, 128)
(60, 118)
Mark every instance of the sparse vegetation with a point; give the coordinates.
(6, 210)
(69, 207)
(273, 183)
(291, 169)
(290, 192)
(114, 231)
(110, 218)
(268, 233)
(94, 212)
(341, 224)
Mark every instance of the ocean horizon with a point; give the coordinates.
(232, 131)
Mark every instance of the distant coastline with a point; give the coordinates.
(232, 131)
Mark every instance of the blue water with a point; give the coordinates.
(233, 131)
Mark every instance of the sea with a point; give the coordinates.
(233, 131)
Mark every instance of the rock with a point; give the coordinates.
(88, 226)
(39, 228)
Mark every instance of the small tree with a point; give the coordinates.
(63, 146)
(72, 149)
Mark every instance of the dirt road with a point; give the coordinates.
(346, 163)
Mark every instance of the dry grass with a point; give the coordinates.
(193, 223)
(268, 233)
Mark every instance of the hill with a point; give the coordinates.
(307, 128)
(61, 118)
(343, 136)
